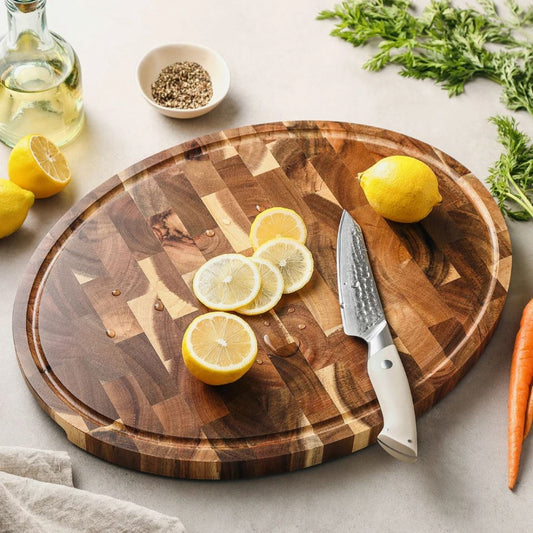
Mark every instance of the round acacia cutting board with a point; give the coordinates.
(106, 298)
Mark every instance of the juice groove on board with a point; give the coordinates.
(123, 259)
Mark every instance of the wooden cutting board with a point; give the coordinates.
(100, 314)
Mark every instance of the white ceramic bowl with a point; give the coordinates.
(154, 61)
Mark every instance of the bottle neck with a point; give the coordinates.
(27, 17)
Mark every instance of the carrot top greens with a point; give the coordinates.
(511, 177)
(446, 44)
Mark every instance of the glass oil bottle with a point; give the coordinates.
(40, 78)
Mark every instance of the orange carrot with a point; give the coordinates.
(529, 415)
(519, 391)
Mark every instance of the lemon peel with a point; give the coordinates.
(401, 188)
(15, 202)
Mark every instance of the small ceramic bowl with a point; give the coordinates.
(157, 59)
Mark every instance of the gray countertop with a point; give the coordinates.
(284, 66)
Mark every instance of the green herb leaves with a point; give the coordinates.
(511, 177)
(452, 46)
(446, 44)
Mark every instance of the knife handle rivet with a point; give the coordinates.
(386, 363)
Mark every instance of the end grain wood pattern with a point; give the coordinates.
(104, 303)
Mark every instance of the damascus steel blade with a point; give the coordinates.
(361, 309)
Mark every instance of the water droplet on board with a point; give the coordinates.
(110, 333)
(280, 346)
(226, 221)
(209, 232)
(259, 361)
(290, 310)
(115, 292)
(266, 323)
(258, 208)
(159, 305)
(301, 326)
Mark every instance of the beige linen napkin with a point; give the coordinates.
(37, 495)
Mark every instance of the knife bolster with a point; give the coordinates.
(380, 339)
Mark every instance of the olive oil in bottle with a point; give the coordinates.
(40, 79)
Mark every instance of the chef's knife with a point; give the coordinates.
(363, 316)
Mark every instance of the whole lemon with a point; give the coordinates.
(401, 188)
(15, 202)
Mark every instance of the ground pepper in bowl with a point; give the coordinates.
(184, 85)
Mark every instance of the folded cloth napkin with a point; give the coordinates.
(37, 495)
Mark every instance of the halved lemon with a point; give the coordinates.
(270, 292)
(293, 259)
(218, 348)
(277, 222)
(37, 165)
(227, 282)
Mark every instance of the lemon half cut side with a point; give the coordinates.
(37, 164)
(219, 347)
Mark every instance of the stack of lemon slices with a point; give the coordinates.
(220, 347)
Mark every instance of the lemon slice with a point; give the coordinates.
(36, 164)
(218, 348)
(227, 282)
(277, 222)
(270, 292)
(293, 259)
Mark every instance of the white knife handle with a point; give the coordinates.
(387, 374)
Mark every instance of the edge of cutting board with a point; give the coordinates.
(158, 459)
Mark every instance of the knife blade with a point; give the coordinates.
(363, 316)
